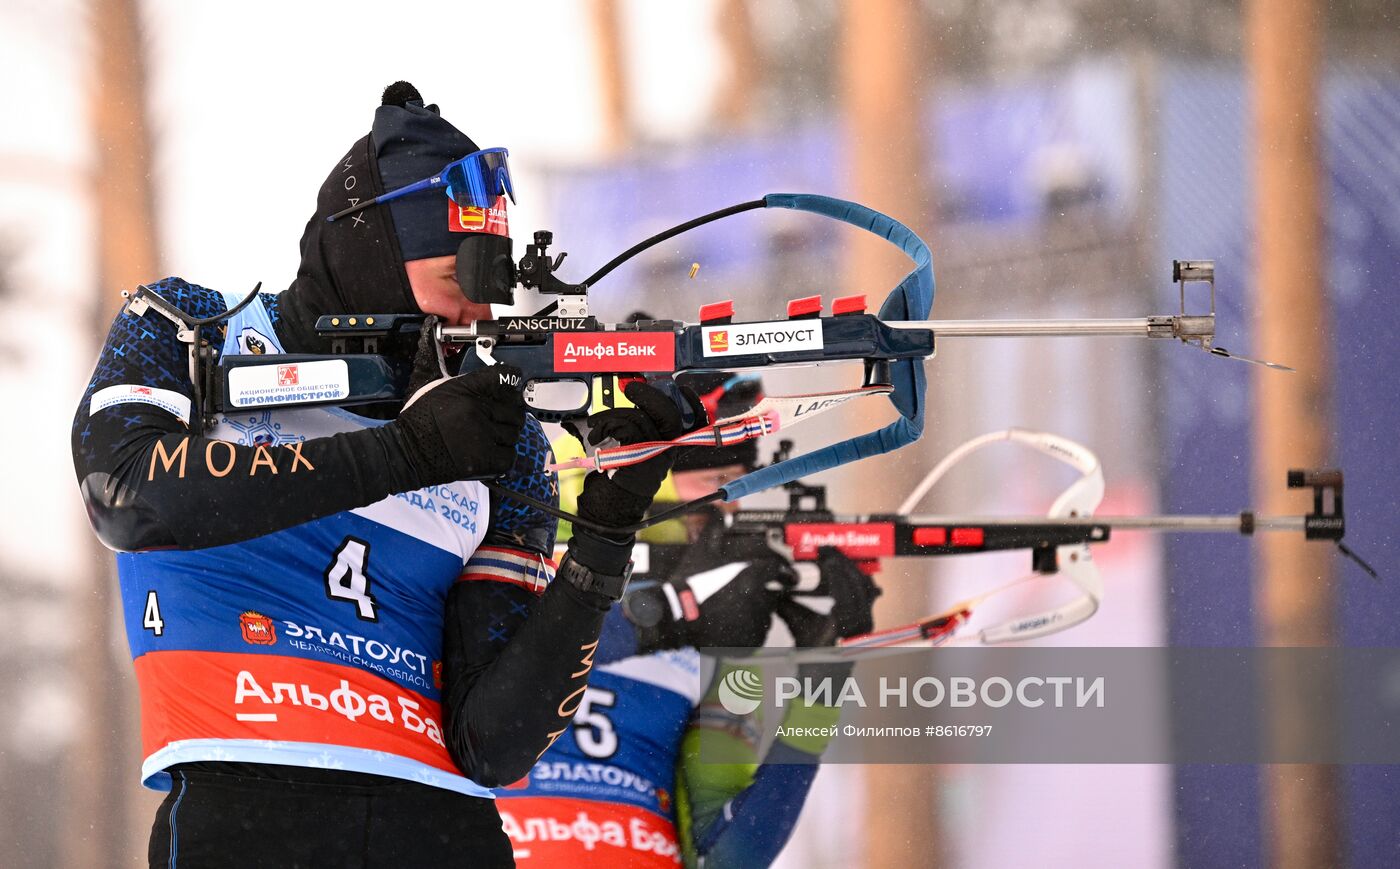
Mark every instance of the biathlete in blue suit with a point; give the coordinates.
(342, 641)
(654, 770)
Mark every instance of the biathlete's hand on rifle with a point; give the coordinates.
(730, 606)
(457, 428)
(621, 498)
(850, 594)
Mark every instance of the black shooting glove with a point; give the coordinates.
(458, 428)
(852, 596)
(621, 498)
(728, 606)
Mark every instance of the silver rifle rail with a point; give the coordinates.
(1197, 330)
(1194, 329)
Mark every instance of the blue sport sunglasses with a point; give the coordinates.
(476, 179)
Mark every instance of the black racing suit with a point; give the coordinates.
(511, 655)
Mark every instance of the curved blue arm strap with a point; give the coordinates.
(912, 299)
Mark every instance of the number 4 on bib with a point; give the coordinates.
(346, 578)
(151, 620)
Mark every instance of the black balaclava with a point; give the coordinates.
(355, 265)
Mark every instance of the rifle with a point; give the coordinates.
(564, 351)
(1058, 543)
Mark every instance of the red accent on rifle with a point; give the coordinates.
(967, 537)
(848, 305)
(718, 313)
(811, 306)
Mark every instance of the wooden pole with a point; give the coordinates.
(108, 818)
(736, 104)
(612, 75)
(125, 201)
(1296, 598)
(881, 80)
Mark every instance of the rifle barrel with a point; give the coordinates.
(1229, 524)
(1128, 327)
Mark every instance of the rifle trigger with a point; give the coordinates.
(774, 538)
(607, 389)
(483, 351)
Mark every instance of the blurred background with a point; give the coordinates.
(1056, 154)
